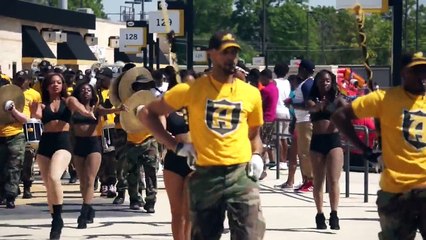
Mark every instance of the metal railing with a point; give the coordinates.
(347, 147)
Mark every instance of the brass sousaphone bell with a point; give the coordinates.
(10, 93)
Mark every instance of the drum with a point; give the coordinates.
(107, 135)
(32, 131)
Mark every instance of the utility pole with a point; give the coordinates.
(264, 47)
(397, 41)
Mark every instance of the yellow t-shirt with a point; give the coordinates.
(219, 118)
(70, 90)
(403, 130)
(110, 117)
(30, 96)
(37, 86)
(138, 138)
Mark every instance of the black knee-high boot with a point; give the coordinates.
(57, 222)
(84, 216)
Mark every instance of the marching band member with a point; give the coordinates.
(22, 79)
(120, 141)
(53, 155)
(107, 169)
(142, 151)
(12, 148)
(88, 147)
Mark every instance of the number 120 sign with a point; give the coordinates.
(133, 36)
(157, 23)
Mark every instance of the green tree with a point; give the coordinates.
(95, 5)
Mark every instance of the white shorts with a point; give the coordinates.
(283, 128)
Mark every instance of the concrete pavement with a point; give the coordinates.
(288, 215)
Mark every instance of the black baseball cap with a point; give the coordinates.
(222, 40)
(410, 60)
(307, 65)
(105, 71)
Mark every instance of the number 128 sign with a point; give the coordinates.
(133, 36)
(157, 23)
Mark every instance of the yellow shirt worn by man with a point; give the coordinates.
(138, 138)
(13, 129)
(403, 130)
(219, 118)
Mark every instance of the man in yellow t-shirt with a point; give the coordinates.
(225, 115)
(401, 201)
(12, 147)
(23, 79)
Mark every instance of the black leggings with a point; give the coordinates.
(324, 143)
(87, 145)
(176, 164)
(51, 142)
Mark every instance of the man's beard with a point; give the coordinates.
(229, 68)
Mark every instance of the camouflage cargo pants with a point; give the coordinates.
(27, 175)
(216, 190)
(120, 141)
(11, 158)
(142, 155)
(401, 214)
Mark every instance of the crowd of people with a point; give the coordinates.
(235, 112)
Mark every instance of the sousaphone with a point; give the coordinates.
(10, 93)
(129, 120)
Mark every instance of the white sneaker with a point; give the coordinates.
(283, 166)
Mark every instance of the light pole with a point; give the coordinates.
(264, 48)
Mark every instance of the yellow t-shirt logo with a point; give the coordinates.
(222, 116)
(414, 128)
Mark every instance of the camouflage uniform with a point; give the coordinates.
(214, 190)
(401, 214)
(11, 158)
(120, 140)
(142, 155)
(27, 175)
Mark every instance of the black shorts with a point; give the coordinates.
(87, 145)
(176, 164)
(51, 142)
(324, 143)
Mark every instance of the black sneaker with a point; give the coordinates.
(119, 199)
(320, 221)
(27, 193)
(10, 204)
(149, 207)
(334, 221)
(135, 205)
(73, 179)
(2, 201)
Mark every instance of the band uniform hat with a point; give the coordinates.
(105, 71)
(414, 59)
(45, 66)
(222, 40)
(23, 74)
(307, 64)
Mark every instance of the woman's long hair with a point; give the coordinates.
(45, 96)
(77, 94)
(331, 94)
